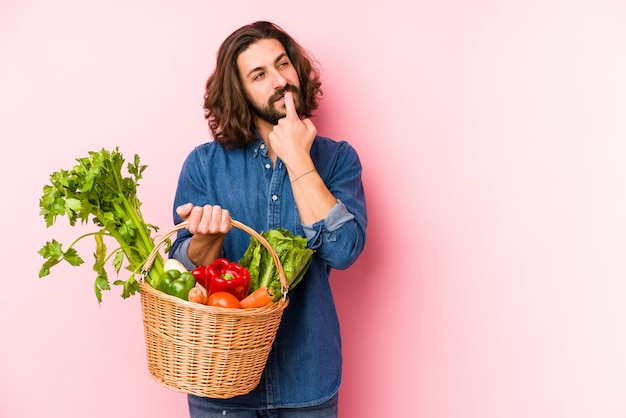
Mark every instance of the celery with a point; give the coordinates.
(96, 189)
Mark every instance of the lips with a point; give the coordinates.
(278, 96)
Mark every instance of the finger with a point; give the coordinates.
(196, 219)
(193, 218)
(290, 106)
(226, 225)
(216, 219)
(184, 210)
(200, 219)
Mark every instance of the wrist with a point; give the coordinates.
(204, 249)
(303, 174)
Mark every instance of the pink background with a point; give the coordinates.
(492, 135)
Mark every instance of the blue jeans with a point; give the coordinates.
(202, 408)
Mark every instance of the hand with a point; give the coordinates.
(205, 220)
(209, 226)
(291, 138)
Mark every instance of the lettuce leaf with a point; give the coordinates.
(292, 252)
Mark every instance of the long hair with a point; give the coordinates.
(226, 107)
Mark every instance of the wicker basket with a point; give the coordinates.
(203, 350)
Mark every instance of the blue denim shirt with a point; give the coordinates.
(304, 366)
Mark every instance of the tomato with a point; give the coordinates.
(224, 300)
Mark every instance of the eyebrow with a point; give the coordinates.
(276, 61)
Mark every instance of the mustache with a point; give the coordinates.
(279, 93)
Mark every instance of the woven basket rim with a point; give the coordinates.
(216, 310)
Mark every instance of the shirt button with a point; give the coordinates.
(262, 146)
(268, 166)
(274, 197)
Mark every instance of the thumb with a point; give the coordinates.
(184, 210)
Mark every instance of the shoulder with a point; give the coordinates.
(324, 141)
(212, 154)
(326, 148)
(201, 156)
(210, 151)
(211, 147)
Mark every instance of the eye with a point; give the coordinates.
(258, 76)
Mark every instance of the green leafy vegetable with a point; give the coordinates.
(97, 189)
(292, 252)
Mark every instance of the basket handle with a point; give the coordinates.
(279, 267)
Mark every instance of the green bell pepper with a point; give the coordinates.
(175, 283)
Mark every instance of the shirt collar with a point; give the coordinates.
(259, 145)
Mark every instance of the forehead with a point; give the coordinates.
(260, 54)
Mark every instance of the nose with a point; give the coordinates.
(278, 80)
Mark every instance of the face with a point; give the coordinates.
(266, 74)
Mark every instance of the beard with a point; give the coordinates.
(269, 113)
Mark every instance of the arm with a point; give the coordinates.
(339, 238)
(332, 209)
(291, 140)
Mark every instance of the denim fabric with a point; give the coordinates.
(202, 408)
(304, 366)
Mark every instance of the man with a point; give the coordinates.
(268, 169)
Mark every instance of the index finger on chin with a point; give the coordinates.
(290, 106)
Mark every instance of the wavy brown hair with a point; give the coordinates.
(226, 107)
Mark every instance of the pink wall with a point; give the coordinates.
(493, 139)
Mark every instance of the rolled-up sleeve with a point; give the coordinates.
(180, 254)
(337, 238)
(337, 216)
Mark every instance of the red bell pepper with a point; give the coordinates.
(224, 276)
